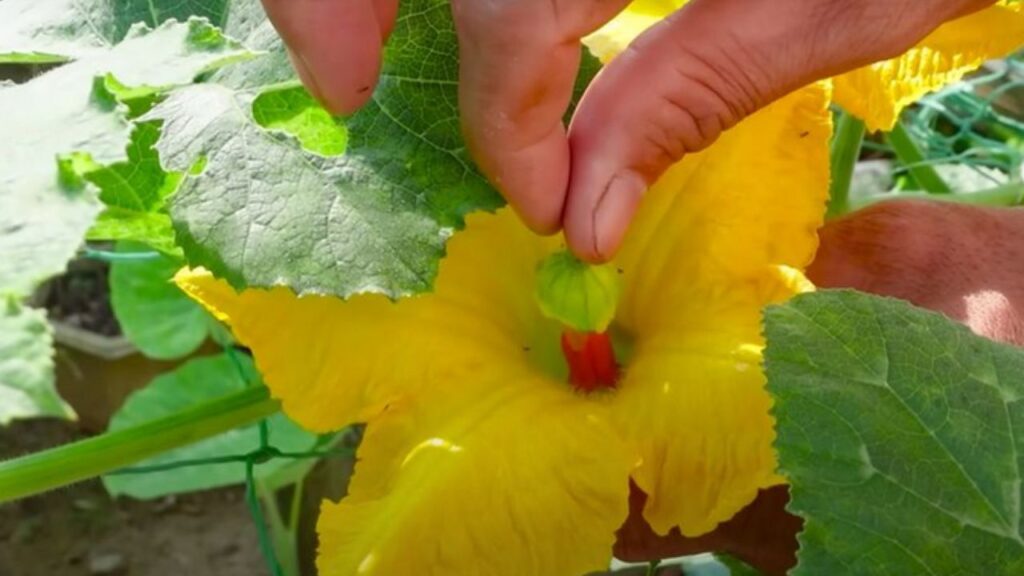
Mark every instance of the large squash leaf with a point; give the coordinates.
(899, 432)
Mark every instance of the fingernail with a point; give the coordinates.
(614, 211)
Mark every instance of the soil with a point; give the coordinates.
(81, 531)
(81, 298)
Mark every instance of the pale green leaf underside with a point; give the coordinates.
(153, 312)
(267, 212)
(200, 380)
(248, 23)
(58, 30)
(27, 387)
(66, 111)
(899, 433)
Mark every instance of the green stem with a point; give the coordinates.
(652, 567)
(64, 465)
(263, 537)
(296, 506)
(846, 145)
(915, 162)
(108, 256)
(282, 536)
(1000, 196)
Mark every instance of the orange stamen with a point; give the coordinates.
(591, 360)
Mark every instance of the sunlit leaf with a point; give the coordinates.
(133, 193)
(26, 365)
(63, 124)
(59, 30)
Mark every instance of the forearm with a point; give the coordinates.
(964, 261)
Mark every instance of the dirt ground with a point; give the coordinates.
(80, 531)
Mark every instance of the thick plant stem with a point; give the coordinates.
(914, 160)
(64, 465)
(846, 145)
(1000, 196)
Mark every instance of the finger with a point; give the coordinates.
(387, 13)
(699, 72)
(335, 45)
(517, 70)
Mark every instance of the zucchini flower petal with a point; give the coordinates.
(879, 92)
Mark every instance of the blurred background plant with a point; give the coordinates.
(964, 143)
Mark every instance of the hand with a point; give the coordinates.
(673, 92)
(964, 261)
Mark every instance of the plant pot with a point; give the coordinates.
(96, 367)
(96, 373)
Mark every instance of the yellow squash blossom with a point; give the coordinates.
(479, 456)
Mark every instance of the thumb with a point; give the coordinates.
(698, 73)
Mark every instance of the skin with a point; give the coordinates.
(702, 70)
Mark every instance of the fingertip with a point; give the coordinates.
(345, 100)
(387, 14)
(336, 47)
(343, 83)
(597, 218)
(533, 180)
(540, 224)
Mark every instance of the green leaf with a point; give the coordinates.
(59, 30)
(68, 122)
(579, 295)
(293, 111)
(899, 431)
(191, 384)
(153, 312)
(26, 365)
(248, 22)
(134, 192)
(151, 228)
(270, 211)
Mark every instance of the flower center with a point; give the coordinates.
(582, 298)
(591, 360)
